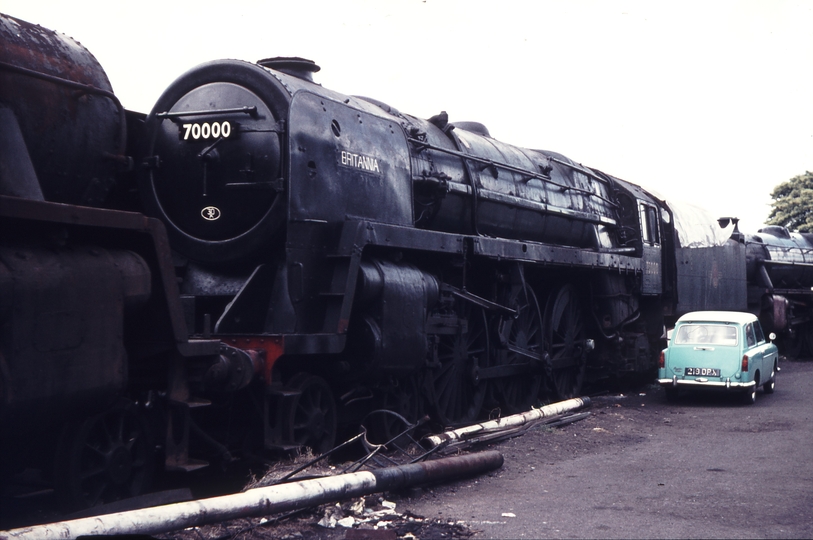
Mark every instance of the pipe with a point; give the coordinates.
(263, 501)
(506, 422)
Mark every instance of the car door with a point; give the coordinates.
(769, 353)
(753, 351)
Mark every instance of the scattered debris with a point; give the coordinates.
(282, 492)
(267, 500)
(359, 511)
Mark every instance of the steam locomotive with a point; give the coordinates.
(260, 260)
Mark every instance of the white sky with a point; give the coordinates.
(709, 101)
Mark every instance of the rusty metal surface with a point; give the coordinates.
(711, 278)
(111, 225)
(68, 307)
(63, 101)
(17, 175)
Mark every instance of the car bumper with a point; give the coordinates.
(727, 384)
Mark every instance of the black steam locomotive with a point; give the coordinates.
(310, 257)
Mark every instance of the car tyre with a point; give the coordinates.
(750, 396)
(770, 384)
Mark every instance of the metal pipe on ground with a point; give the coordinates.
(505, 423)
(264, 501)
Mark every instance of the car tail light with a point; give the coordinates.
(662, 360)
(744, 363)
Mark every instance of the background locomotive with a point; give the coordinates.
(315, 256)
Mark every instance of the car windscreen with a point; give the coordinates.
(706, 334)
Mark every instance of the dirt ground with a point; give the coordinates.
(635, 466)
(602, 472)
(387, 516)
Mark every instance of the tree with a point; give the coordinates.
(792, 205)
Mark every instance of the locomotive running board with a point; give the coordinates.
(358, 234)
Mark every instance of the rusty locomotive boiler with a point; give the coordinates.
(260, 260)
(90, 319)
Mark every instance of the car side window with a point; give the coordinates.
(750, 338)
(758, 331)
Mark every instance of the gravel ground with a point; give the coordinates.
(621, 472)
(396, 520)
(636, 466)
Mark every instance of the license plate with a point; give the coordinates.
(702, 372)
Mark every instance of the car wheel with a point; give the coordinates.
(750, 396)
(770, 384)
(671, 394)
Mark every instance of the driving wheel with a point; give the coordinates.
(792, 344)
(310, 414)
(564, 328)
(104, 458)
(400, 396)
(524, 337)
(456, 394)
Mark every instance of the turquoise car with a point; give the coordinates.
(719, 350)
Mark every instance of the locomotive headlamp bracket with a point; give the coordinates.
(251, 111)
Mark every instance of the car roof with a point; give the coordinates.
(718, 316)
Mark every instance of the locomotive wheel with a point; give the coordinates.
(791, 345)
(564, 328)
(402, 397)
(310, 416)
(455, 392)
(517, 393)
(104, 458)
(807, 347)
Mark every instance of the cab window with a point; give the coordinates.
(649, 224)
